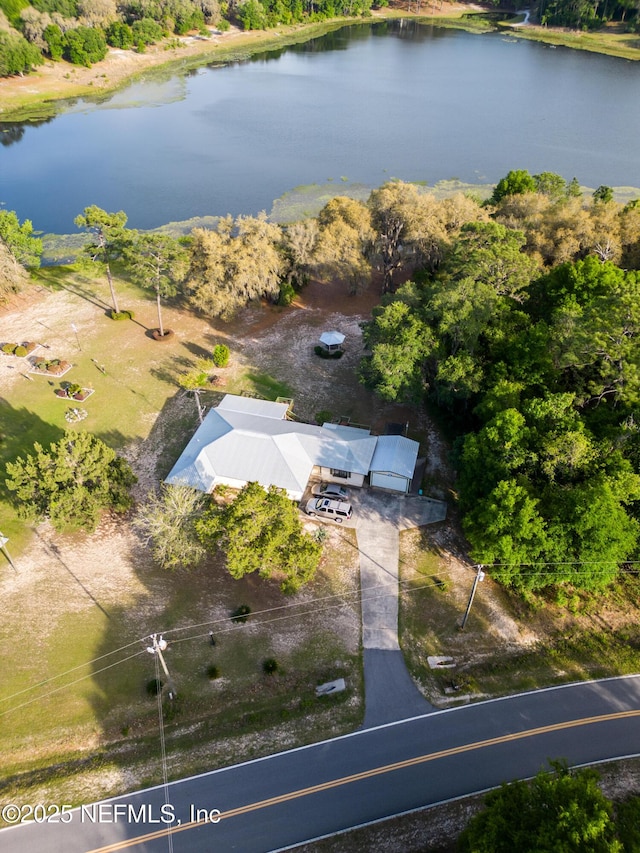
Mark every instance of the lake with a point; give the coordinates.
(362, 104)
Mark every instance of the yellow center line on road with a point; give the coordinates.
(368, 774)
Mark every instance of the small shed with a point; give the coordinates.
(393, 463)
(331, 341)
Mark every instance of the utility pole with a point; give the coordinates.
(159, 645)
(3, 542)
(479, 577)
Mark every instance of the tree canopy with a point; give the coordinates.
(19, 240)
(71, 483)
(536, 366)
(156, 261)
(260, 531)
(167, 523)
(563, 810)
(237, 262)
(107, 232)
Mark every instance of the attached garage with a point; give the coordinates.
(393, 463)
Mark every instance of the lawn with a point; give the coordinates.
(508, 645)
(77, 721)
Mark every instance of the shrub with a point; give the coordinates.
(220, 355)
(323, 353)
(20, 351)
(240, 613)
(154, 686)
(146, 31)
(119, 35)
(9, 349)
(269, 666)
(84, 46)
(287, 293)
(121, 315)
(213, 672)
(73, 388)
(324, 416)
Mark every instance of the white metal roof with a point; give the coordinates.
(235, 444)
(395, 454)
(252, 406)
(331, 339)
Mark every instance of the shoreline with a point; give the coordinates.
(41, 94)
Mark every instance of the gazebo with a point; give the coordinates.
(331, 341)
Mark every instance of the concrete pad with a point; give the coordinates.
(378, 544)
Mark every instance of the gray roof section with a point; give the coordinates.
(395, 454)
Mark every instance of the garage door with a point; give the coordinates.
(389, 481)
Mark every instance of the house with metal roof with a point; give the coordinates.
(393, 463)
(244, 440)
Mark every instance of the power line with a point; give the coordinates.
(69, 671)
(67, 684)
(343, 603)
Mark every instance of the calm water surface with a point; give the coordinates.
(367, 102)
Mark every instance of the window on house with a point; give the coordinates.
(344, 475)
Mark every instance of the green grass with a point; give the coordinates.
(573, 646)
(99, 716)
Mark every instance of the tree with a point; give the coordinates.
(146, 31)
(516, 182)
(195, 379)
(84, 46)
(97, 13)
(71, 483)
(300, 239)
(410, 228)
(54, 39)
(342, 244)
(167, 523)
(400, 341)
(17, 56)
(252, 15)
(18, 239)
(507, 528)
(260, 531)
(107, 231)
(490, 253)
(119, 35)
(234, 264)
(560, 810)
(159, 262)
(12, 274)
(603, 194)
(551, 184)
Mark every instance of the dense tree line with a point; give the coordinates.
(590, 14)
(80, 31)
(537, 365)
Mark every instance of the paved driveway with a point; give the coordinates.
(390, 693)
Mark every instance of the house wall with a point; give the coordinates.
(356, 480)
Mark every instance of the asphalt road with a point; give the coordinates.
(274, 802)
